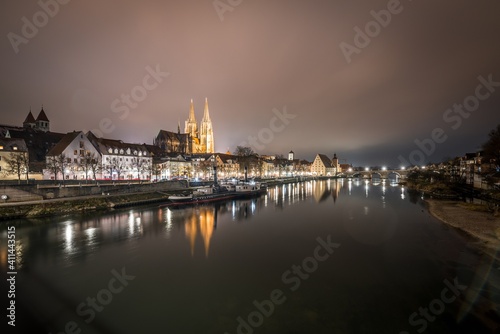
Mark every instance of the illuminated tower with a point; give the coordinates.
(191, 126)
(206, 132)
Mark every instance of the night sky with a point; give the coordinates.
(251, 57)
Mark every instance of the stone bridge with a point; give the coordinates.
(381, 174)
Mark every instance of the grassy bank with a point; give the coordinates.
(76, 205)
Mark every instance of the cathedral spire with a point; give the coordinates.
(206, 115)
(191, 127)
(206, 132)
(191, 112)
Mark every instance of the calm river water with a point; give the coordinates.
(314, 257)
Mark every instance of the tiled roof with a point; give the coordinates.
(8, 144)
(226, 157)
(118, 147)
(63, 143)
(325, 160)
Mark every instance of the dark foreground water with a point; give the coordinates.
(314, 257)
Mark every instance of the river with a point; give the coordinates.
(333, 256)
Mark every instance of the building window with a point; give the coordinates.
(14, 148)
(68, 160)
(75, 152)
(75, 160)
(1, 147)
(82, 153)
(82, 144)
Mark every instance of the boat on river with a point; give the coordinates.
(218, 193)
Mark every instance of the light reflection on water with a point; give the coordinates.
(210, 262)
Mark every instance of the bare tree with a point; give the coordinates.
(18, 164)
(56, 164)
(148, 168)
(243, 151)
(116, 166)
(63, 163)
(157, 169)
(90, 163)
(53, 166)
(206, 167)
(492, 148)
(142, 165)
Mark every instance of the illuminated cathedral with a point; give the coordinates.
(195, 139)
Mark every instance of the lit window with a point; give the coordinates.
(1, 147)
(14, 148)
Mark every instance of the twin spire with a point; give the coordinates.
(206, 114)
(203, 135)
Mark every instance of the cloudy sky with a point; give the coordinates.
(290, 74)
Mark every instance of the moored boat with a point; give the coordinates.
(179, 198)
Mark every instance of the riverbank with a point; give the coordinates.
(473, 219)
(56, 207)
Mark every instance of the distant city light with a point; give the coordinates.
(384, 168)
(367, 169)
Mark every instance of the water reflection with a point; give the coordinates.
(321, 191)
(385, 248)
(79, 237)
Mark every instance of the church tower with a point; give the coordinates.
(206, 131)
(29, 122)
(42, 122)
(191, 127)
